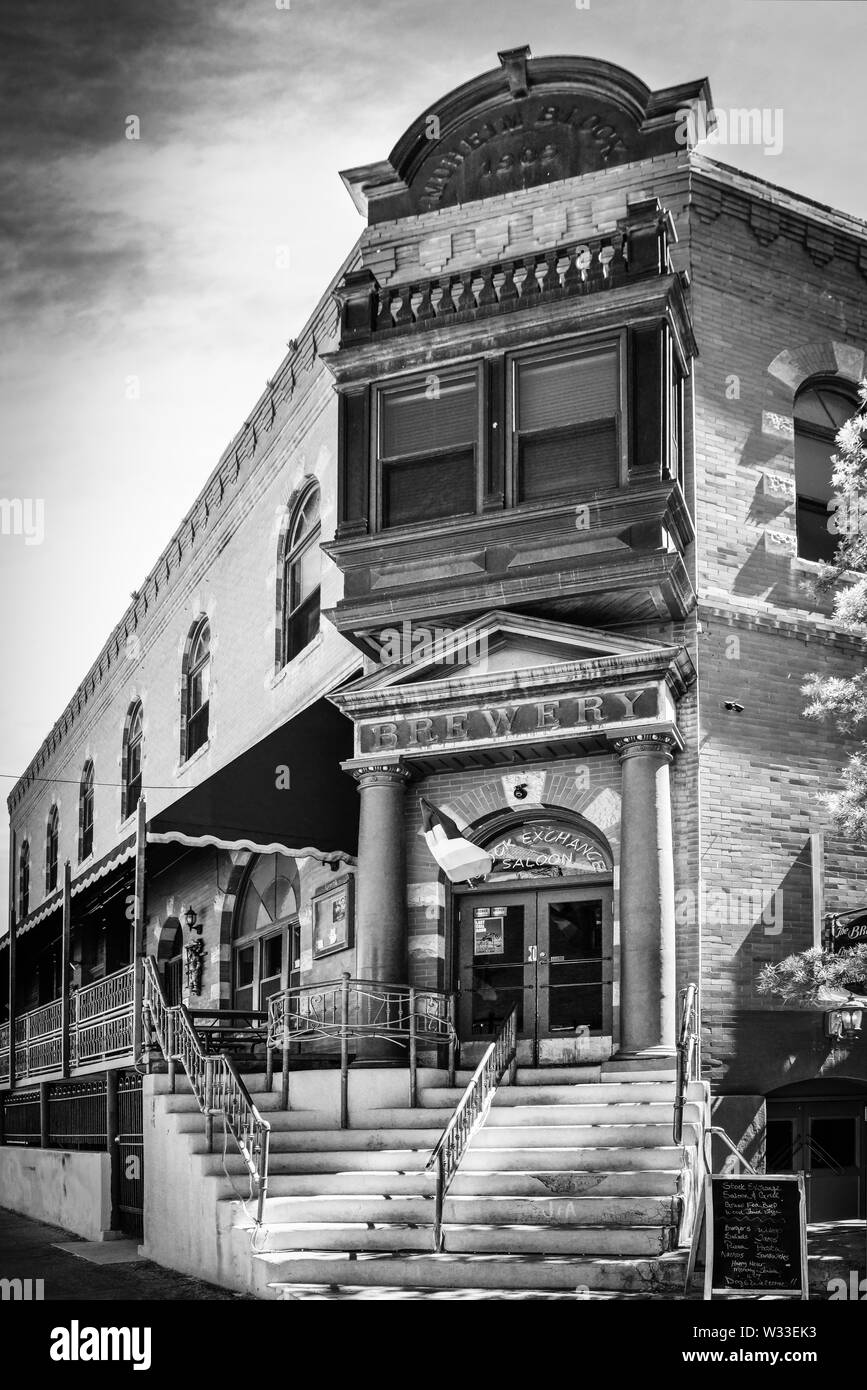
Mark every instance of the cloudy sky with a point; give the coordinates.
(163, 258)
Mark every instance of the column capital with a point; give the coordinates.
(383, 774)
(661, 744)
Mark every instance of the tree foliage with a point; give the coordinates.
(802, 979)
(843, 700)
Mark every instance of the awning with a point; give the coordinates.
(88, 876)
(244, 805)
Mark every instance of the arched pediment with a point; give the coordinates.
(528, 122)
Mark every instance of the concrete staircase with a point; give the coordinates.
(572, 1183)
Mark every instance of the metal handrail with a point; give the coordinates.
(687, 1042)
(338, 1010)
(470, 1113)
(215, 1082)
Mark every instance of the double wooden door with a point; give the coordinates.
(546, 950)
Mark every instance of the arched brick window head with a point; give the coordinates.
(132, 759)
(24, 881)
(301, 568)
(51, 850)
(197, 688)
(822, 405)
(85, 813)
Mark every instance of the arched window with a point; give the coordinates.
(266, 951)
(821, 407)
(132, 751)
(197, 688)
(51, 850)
(85, 813)
(301, 566)
(24, 881)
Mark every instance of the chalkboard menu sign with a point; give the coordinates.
(756, 1235)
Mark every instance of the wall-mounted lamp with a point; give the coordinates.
(191, 918)
(733, 706)
(844, 1022)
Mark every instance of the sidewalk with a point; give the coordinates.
(28, 1251)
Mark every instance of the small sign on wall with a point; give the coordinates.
(334, 916)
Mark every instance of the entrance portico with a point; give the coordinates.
(590, 957)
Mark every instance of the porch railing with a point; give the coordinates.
(687, 1056)
(101, 1019)
(215, 1082)
(470, 1113)
(327, 1017)
(100, 1028)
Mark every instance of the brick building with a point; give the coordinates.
(527, 524)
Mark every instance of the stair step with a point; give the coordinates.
(276, 1272)
(603, 1135)
(478, 1239)
(283, 1182)
(610, 1074)
(356, 1140)
(507, 1155)
(356, 1208)
(621, 1113)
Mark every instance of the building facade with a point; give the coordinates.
(527, 525)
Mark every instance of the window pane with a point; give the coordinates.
(567, 462)
(567, 390)
(304, 575)
(413, 423)
(244, 961)
(824, 408)
(272, 955)
(815, 541)
(428, 488)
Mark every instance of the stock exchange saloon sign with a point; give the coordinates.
(546, 847)
(522, 721)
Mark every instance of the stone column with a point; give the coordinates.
(648, 989)
(381, 912)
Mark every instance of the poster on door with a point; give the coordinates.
(488, 932)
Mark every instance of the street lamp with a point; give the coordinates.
(844, 1022)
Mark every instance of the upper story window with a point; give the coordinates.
(132, 757)
(85, 812)
(821, 407)
(428, 449)
(197, 689)
(24, 881)
(52, 840)
(301, 570)
(566, 430)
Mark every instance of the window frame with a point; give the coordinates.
(133, 739)
(466, 369)
(86, 799)
(848, 391)
(194, 668)
(52, 849)
(584, 345)
(286, 928)
(293, 554)
(23, 880)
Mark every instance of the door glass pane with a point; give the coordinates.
(780, 1148)
(498, 964)
(575, 974)
(244, 962)
(833, 1143)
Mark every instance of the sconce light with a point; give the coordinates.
(844, 1022)
(192, 920)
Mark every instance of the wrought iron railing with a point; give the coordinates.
(215, 1082)
(38, 1040)
(687, 1056)
(329, 1016)
(101, 1019)
(4, 1052)
(470, 1113)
